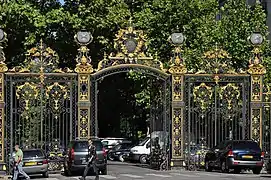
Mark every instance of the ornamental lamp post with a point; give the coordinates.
(83, 38)
(2, 35)
(177, 39)
(256, 39)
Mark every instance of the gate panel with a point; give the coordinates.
(40, 114)
(215, 111)
(160, 117)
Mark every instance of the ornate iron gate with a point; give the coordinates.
(217, 107)
(40, 103)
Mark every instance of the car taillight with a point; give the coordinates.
(262, 155)
(230, 154)
(45, 162)
(104, 152)
(72, 154)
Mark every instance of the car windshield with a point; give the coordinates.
(82, 146)
(29, 154)
(246, 145)
(144, 141)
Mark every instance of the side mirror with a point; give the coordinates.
(148, 145)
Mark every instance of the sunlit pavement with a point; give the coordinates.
(127, 171)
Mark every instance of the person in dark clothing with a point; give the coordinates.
(91, 161)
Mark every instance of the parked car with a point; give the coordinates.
(236, 155)
(34, 162)
(76, 156)
(120, 150)
(110, 142)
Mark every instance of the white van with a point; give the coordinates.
(142, 150)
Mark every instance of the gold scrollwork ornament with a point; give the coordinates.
(27, 92)
(202, 96)
(230, 93)
(56, 93)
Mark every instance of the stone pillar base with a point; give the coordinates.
(174, 163)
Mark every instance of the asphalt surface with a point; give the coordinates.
(127, 171)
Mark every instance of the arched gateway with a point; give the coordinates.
(41, 105)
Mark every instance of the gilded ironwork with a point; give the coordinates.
(27, 92)
(203, 96)
(83, 61)
(131, 46)
(177, 63)
(83, 127)
(177, 132)
(256, 125)
(230, 94)
(217, 61)
(177, 86)
(256, 70)
(56, 94)
(40, 58)
(84, 90)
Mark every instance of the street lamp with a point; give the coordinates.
(256, 39)
(177, 38)
(2, 35)
(83, 37)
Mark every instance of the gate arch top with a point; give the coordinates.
(130, 52)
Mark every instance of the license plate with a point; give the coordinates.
(247, 157)
(30, 163)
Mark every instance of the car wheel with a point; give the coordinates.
(143, 159)
(224, 167)
(110, 157)
(104, 171)
(121, 158)
(208, 168)
(45, 175)
(256, 170)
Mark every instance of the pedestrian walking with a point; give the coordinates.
(91, 161)
(18, 164)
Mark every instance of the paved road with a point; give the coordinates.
(125, 171)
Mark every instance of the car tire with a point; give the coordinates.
(224, 167)
(256, 170)
(45, 175)
(110, 157)
(143, 159)
(208, 168)
(104, 171)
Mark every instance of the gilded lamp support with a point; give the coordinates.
(177, 69)
(256, 70)
(84, 69)
(3, 69)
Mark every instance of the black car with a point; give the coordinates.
(236, 155)
(120, 150)
(76, 156)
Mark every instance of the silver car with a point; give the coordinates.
(34, 162)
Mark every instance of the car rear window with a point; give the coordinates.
(33, 154)
(82, 146)
(246, 145)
